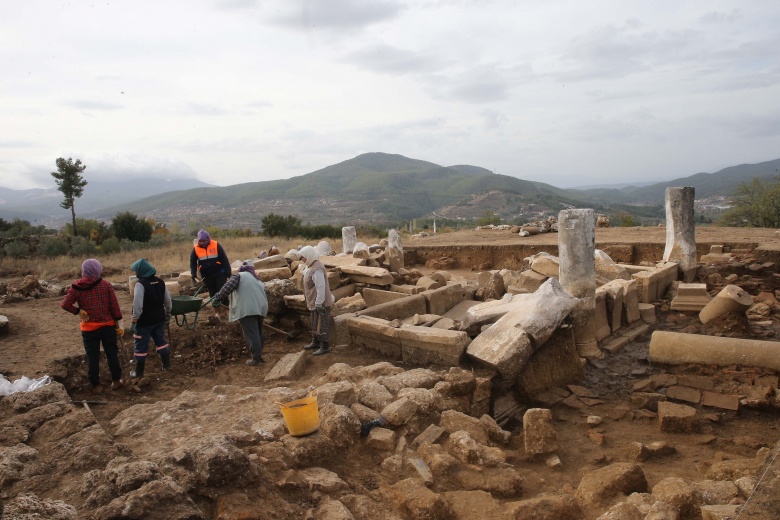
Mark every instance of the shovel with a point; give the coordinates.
(290, 335)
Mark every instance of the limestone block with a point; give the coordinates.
(668, 272)
(647, 311)
(439, 301)
(374, 396)
(539, 436)
(425, 345)
(381, 439)
(291, 366)
(691, 297)
(280, 273)
(345, 291)
(324, 248)
(615, 301)
(376, 296)
(546, 265)
(647, 285)
(606, 268)
(338, 392)
(492, 281)
(269, 262)
(399, 411)
(554, 364)
(731, 299)
(677, 418)
(602, 485)
(427, 283)
(679, 494)
(720, 512)
(480, 313)
(530, 281)
(340, 261)
(452, 421)
(185, 280)
(375, 334)
(398, 309)
(296, 302)
(339, 331)
(431, 435)
(368, 275)
(174, 289)
(458, 312)
(334, 280)
(407, 289)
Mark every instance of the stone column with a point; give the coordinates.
(681, 231)
(577, 268)
(394, 251)
(349, 238)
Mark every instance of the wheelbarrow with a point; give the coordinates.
(184, 306)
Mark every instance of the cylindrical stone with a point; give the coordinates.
(577, 271)
(681, 230)
(349, 238)
(394, 251)
(731, 299)
(647, 311)
(677, 348)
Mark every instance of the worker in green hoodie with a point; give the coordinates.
(151, 310)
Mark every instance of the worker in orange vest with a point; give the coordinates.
(209, 257)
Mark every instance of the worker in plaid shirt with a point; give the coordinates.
(101, 321)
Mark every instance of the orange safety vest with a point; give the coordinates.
(208, 255)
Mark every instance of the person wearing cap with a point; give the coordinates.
(210, 259)
(248, 306)
(151, 311)
(319, 300)
(94, 301)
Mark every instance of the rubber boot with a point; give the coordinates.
(324, 349)
(165, 357)
(138, 373)
(315, 343)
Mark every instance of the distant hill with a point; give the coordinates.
(370, 188)
(42, 205)
(719, 184)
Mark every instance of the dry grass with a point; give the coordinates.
(167, 259)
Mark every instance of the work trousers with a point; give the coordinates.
(252, 327)
(92, 340)
(320, 324)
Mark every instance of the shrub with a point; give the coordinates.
(129, 245)
(17, 249)
(129, 226)
(110, 246)
(53, 246)
(80, 246)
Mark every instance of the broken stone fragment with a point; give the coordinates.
(539, 435)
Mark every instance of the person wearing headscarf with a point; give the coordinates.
(151, 311)
(248, 306)
(94, 301)
(319, 300)
(210, 259)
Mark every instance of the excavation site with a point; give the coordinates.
(554, 371)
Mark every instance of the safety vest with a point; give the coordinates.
(207, 258)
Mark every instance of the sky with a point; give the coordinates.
(570, 93)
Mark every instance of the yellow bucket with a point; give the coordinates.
(301, 416)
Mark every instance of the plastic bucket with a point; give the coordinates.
(301, 416)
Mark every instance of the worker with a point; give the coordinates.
(209, 257)
(151, 311)
(248, 306)
(101, 322)
(319, 300)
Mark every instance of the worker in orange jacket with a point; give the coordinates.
(210, 259)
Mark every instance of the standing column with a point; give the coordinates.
(681, 231)
(394, 251)
(349, 238)
(577, 274)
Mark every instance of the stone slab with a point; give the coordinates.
(291, 366)
(398, 309)
(374, 334)
(727, 402)
(426, 346)
(683, 393)
(376, 296)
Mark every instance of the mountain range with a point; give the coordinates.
(372, 188)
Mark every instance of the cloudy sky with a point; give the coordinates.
(230, 91)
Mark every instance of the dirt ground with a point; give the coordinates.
(44, 339)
